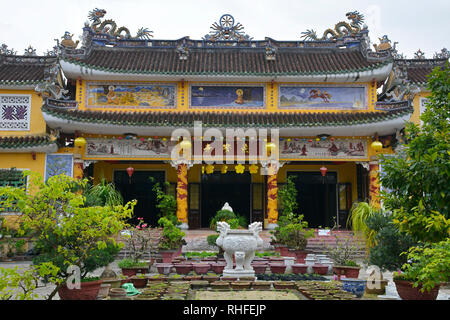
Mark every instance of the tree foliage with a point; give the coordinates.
(417, 177)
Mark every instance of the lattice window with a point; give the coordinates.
(15, 112)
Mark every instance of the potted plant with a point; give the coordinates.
(139, 280)
(427, 269)
(68, 233)
(342, 255)
(171, 241)
(201, 268)
(277, 267)
(183, 268)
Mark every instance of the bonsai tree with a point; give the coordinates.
(139, 242)
(68, 232)
(233, 219)
(172, 237)
(418, 176)
(427, 266)
(344, 253)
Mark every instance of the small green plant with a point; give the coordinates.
(172, 237)
(19, 246)
(131, 263)
(233, 219)
(167, 203)
(343, 253)
(102, 194)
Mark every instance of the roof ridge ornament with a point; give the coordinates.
(109, 27)
(444, 54)
(227, 30)
(4, 50)
(341, 29)
(419, 54)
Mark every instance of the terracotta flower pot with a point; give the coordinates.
(88, 291)
(164, 268)
(300, 256)
(284, 285)
(139, 282)
(183, 268)
(348, 272)
(167, 255)
(218, 267)
(277, 267)
(320, 269)
(299, 268)
(220, 285)
(406, 291)
(261, 285)
(240, 285)
(259, 268)
(201, 268)
(129, 272)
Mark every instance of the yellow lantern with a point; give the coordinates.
(270, 146)
(185, 144)
(80, 142)
(377, 145)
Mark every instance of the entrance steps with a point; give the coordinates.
(196, 241)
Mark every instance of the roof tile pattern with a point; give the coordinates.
(20, 70)
(226, 61)
(228, 119)
(20, 142)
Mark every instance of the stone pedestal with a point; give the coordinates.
(289, 261)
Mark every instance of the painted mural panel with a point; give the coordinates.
(124, 148)
(56, 164)
(323, 149)
(131, 95)
(323, 97)
(207, 96)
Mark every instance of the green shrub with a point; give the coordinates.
(172, 236)
(130, 263)
(234, 220)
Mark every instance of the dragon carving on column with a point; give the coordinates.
(109, 26)
(340, 30)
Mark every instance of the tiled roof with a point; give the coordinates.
(22, 142)
(23, 70)
(229, 119)
(417, 70)
(230, 61)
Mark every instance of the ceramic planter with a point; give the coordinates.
(218, 267)
(348, 272)
(183, 268)
(129, 272)
(261, 285)
(88, 291)
(277, 268)
(168, 255)
(210, 278)
(355, 286)
(164, 268)
(299, 268)
(115, 283)
(406, 291)
(240, 285)
(300, 256)
(259, 268)
(139, 282)
(220, 285)
(199, 284)
(320, 269)
(284, 285)
(201, 268)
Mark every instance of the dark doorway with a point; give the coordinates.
(218, 188)
(139, 187)
(316, 197)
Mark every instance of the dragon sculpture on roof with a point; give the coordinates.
(109, 26)
(340, 30)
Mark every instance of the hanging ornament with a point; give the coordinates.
(209, 169)
(253, 169)
(203, 169)
(377, 145)
(130, 171)
(80, 142)
(239, 168)
(323, 171)
(224, 169)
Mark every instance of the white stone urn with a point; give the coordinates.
(242, 245)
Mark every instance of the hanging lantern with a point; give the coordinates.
(270, 147)
(80, 142)
(130, 171)
(323, 171)
(377, 145)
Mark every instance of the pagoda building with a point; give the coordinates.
(223, 119)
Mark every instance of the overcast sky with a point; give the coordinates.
(413, 24)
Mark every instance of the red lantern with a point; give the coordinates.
(323, 170)
(130, 171)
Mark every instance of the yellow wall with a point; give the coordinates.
(416, 104)
(183, 98)
(37, 123)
